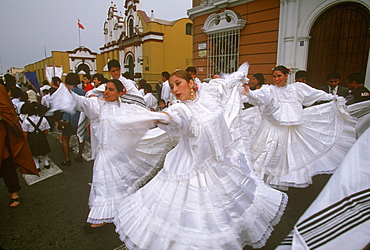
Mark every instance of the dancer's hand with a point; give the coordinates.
(246, 89)
(164, 121)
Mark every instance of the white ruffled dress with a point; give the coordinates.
(293, 144)
(127, 154)
(205, 197)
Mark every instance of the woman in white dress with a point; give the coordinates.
(124, 159)
(293, 144)
(206, 196)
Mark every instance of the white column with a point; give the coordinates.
(290, 33)
(302, 52)
(282, 22)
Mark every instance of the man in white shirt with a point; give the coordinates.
(151, 102)
(132, 95)
(193, 73)
(166, 90)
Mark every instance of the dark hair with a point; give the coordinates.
(45, 91)
(56, 79)
(87, 76)
(16, 92)
(166, 75)
(45, 82)
(191, 69)
(357, 77)
(9, 79)
(148, 88)
(113, 64)
(282, 68)
(99, 76)
(118, 84)
(104, 80)
(23, 97)
(333, 75)
(300, 74)
(72, 79)
(127, 75)
(161, 100)
(260, 78)
(142, 83)
(33, 108)
(182, 74)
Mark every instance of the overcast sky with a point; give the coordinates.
(28, 28)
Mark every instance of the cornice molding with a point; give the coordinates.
(211, 6)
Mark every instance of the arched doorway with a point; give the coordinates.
(83, 67)
(340, 40)
(131, 66)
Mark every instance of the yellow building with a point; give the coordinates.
(144, 46)
(81, 60)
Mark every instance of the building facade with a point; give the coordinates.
(145, 46)
(317, 36)
(80, 60)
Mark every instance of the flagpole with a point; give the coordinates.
(79, 35)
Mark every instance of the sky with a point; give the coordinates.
(32, 28)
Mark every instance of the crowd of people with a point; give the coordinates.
(225, 150)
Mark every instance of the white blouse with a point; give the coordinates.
(284, 105)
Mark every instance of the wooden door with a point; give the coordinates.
(339, 42)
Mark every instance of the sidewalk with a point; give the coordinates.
(54, 210)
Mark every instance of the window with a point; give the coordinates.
(130, 27)
(223, 53)
(189, 28)
(223, 30)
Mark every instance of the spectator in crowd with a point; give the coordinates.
(301, 76)
(162, 106)
(166, 91)
(14, 149)
(149, 98)
(133, 95)
(86, 83)
(332, 87)
(35, 126)
(193, 72)
(71, 122)
(358, 92)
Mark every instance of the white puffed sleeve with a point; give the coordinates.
(180, 120)
(90, 106)
(311, 95)
(260, 96)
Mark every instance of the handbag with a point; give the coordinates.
(64, 125)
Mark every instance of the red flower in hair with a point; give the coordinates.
(196, 87)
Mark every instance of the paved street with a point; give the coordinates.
(53, 211)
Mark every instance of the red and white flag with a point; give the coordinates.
(80, 24)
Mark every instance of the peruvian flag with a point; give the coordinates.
(80, 24)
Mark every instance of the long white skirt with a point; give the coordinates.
(218, 205)
(291, 155)
(119, 174)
